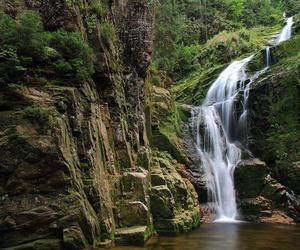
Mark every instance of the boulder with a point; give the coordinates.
(134, 213)
(277, 217)
(136, 235)
(162, 202)
(249, 178)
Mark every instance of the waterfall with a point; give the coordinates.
(214, 124)
(220, 131)
(268, 57)
(286, 32)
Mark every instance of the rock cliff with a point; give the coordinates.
(77, 167)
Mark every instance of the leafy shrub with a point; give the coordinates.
(63, 66)
(24, 44)
(50, 53)
(30, 39)
(10, 66)
(77, 55)
(91, 22)
(98, 8)
(8, 30)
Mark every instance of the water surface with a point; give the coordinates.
(224, 236)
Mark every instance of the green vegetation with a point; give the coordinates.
(36, 113)
(277, 135)
(183, 26)
(98, 8)
(107, 33)
(26, 47)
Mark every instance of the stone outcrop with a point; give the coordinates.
(274, 116)
(260, 197)
(77, 168)
(174, 202)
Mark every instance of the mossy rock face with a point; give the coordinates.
(158, 179)
(134, 185)
(193, 88)
(74, 238)
(274, 114)
(286, 49)
(258, 62)
(167, 120)
(179, 224)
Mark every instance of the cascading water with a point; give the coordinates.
(268, 57)
(216, 121)
(220, 131)
(286, 32)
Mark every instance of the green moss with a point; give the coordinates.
(36, 113)
(107, 33)
(173, 202)
(167, 120)
(91, 22)
(193, 88)
(180, 224)
(166, 136)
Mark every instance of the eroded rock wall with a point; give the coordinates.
(76, 164)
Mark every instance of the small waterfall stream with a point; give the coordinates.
(220, 131)
(286, 32)
(268, 57)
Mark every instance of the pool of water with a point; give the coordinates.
(225, 236)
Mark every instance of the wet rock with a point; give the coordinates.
(249, 178)
(293, 206)
(134, 235)
(135, 185)
(252, 207)
(277, 217)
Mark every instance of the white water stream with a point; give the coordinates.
(286, 32)
(220, 131)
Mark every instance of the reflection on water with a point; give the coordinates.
(238, 236)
